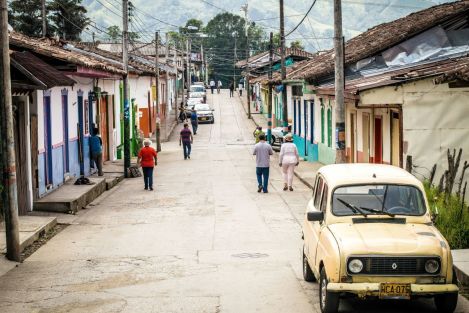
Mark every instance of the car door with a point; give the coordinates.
(312, 230)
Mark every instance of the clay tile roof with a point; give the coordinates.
(381, 37)
(289, 52)
(40, 70)
(52, 48)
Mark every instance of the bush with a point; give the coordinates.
(453, 217)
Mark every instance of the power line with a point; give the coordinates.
(298, 25)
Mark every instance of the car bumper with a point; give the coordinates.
(372, 289)
(207, 119)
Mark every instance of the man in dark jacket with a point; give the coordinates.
(96, 151)
(194, 121)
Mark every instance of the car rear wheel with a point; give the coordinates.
(307, 272)
(328, 301)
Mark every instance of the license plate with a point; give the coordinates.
(203, 118)
(394, 291)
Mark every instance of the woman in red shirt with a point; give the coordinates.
(147, 160)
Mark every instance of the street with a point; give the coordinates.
(203, 241)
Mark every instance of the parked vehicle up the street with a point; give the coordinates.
(204, 113)
(198, 91)
(368, 232)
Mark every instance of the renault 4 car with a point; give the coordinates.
(368, 232)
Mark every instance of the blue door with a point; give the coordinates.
(305, 120)
(47, 141)
(65, 131)
(81, 134)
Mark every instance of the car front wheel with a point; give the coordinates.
(307, 272)
(328, 301)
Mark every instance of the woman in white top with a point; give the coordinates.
(288, 160)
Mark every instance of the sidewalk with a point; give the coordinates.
(305, 171)
(461, 265)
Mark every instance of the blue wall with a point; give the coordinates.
(312, 149)
(86, 154)
(73, 160)
(41, 173)
(57, 166)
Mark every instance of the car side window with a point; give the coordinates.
(324, 199)
(317, 192)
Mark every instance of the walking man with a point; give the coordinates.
(231, 89)
(147, 159)
(194, 121)
(262, 151)
(186, 140)
(288, 159)
(212, 85)
(96, 150)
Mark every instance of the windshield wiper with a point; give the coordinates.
(378, 211)
(352, 207)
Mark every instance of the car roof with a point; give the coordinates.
(365, 173)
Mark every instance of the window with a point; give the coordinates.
(317, 192)
(324, 199)
(373, 199)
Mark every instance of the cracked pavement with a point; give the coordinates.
(203, 241)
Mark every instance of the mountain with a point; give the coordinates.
(316, 31)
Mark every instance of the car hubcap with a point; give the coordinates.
(323, 292)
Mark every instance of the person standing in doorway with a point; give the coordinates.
(219, 85)
(147, 159)
(212, 85)
(194, 121)
(262, 151)
(186, 140)
(288, 159)
(96, 150)
(240, 87)
(231, 89)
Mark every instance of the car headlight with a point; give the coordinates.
(432, 266)
(355, 266)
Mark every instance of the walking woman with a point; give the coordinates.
(288, 159)
(147, 159)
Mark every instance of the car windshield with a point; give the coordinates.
(202, 107)
(386, 199)
(197, 89)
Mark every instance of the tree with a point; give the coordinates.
(225, 35)
(296, 44)
(26, 17)
(114, 33)
(69, 18)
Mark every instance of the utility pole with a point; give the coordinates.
(93, 35)
(235, 58)
(339, 83)
(125, 57)
(157, 92)
(168, 79)
(175, 51)
(283, 70)
(248, 74)
(44, 18)
(269, 101)
(7, 145)
(189, 48)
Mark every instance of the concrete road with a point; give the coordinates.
(203, 241)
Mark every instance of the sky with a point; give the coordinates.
(315, 32)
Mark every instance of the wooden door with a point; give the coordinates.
(395, 140)
(366, 137)
(352, 138)
(103, 128)
(48, 140)
(34, 156)
(378, 130)
(21, 157)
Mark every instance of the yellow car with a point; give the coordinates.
(368, 232)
